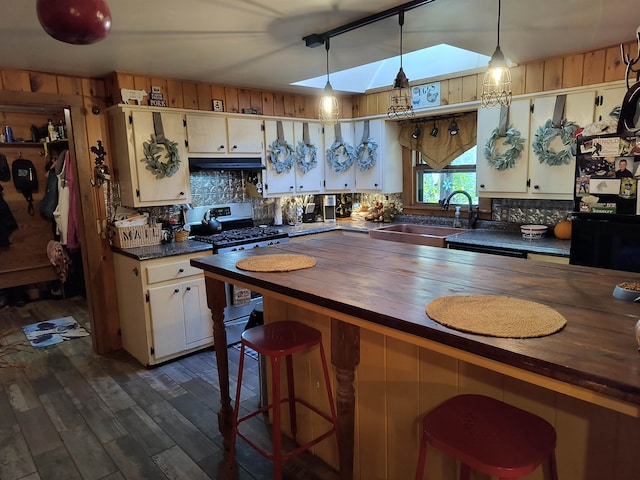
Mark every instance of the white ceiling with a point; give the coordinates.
(258, 43)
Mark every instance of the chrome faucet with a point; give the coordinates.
(472, 218)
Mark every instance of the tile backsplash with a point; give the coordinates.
(526, 211)
(220, 187)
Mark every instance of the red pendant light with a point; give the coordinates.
(79, 22)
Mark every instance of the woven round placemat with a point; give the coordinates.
(496, 316)
(279, 262)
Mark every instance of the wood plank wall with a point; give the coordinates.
(199, 96)
(580, 69)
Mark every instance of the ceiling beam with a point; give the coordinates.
(317, 39)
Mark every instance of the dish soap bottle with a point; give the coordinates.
(456, 220)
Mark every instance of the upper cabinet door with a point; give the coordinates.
(342, 180)
(144, 187)
(556, 181)
(246, 135)
(310, 181)
(369, 178)
(508, 180)
(607, 99)
(206, 134)
(279, 182)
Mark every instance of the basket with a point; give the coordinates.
(138, 236)
(181, 236)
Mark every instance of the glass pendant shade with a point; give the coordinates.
(400, 99)
(329, 111)
(496, 85)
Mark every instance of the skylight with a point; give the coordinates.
(422, 64)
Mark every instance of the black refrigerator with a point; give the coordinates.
(606, 221)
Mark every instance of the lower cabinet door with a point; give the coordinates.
(167, 320)
(198, 325)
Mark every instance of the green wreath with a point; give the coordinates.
(152, 151)
(508, 159)
(340, 156)
(281, 155)
(306, 154)
(546, 133)
(366, 153)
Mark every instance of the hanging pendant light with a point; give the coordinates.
(400, 101)
(329, 111)
(496, 86)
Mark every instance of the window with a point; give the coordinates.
(435, 185)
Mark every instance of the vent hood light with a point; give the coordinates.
(225, 163)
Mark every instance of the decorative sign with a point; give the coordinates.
(156, 98)
(135, 95)
(218, 105)
(427, 95)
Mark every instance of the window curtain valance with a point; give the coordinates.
(441, 150)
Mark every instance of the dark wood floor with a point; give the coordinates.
(66, 413)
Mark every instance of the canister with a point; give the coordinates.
(8, 133)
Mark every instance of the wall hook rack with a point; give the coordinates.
(630, 62)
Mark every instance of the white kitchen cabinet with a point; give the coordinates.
(246, 135)
(163, 307)
(512, 180)
(206, 133)
(337, 182)
(311, 182)
(607, 98)
(139, 187)
(284, 182)
(294, 181)
(386, 175)
(216, 134)
(556, 182)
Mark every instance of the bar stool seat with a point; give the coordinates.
(489, 436)
(275, 341)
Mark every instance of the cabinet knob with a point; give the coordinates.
(188, 289)
(181, 194)
(181, 270)
(482, 185)
(291, 187)
(536, 187)
(221, 147)
(346, 185)
(177, 290)
(301, 187)
(235, 147)
(375, 185)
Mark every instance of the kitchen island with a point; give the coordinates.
(393, 363)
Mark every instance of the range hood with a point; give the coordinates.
(225, 163)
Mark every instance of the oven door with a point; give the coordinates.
(240, 303)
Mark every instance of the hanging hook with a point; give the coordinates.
(629, 62)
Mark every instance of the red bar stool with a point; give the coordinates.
(489, 436)
(275, 341)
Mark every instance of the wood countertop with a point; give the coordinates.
(387, 284)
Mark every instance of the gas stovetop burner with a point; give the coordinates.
(241, 236)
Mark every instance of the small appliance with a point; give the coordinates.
(329, 208)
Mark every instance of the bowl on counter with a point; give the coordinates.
(627, 291)
(533, 231)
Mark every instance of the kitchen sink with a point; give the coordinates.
(433, 236)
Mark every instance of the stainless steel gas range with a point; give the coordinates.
(237, 233)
